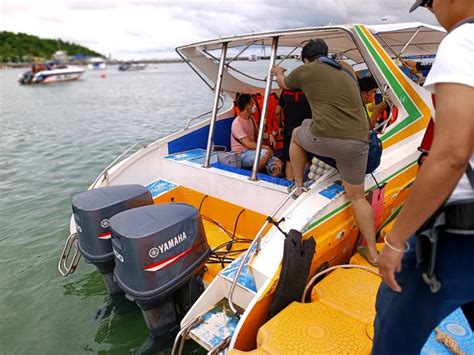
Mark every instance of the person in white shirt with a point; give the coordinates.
(413, 299)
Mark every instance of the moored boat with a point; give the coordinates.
(132, 66)
(45, 73)
(96, 63)
(226, 251)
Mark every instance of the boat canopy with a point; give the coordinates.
(413, 39)
(398, 40)
(417, 38)
(338, 39)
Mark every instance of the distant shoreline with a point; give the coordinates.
(144, 61)
(147, 61)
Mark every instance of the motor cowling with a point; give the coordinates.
(92, 210)
(160, 253)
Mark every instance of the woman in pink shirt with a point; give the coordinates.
(244, 134)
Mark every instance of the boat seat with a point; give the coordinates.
(160, 187)
(260, 176)
(338, 320)
(197, 156)
(317, 329)
(350, 291)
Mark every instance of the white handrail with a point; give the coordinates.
(104, 173)
(256, 242)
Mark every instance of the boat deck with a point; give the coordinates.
(185, 169)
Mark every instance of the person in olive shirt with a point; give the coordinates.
(338, 129)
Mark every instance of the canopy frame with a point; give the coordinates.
(217, 93)
(266, 97)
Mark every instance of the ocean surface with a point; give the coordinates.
(54, 141)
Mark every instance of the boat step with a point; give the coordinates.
(217, 326)
(160, 187)
(246, 279)
(196, 156)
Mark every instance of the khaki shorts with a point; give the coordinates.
(350, 154)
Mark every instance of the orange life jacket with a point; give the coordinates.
(271, 122)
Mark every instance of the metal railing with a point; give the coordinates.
(256, 243)
(228, 66)
(63, 268)
(217, 89)
(182, 334)
(104, 174)
(221, 346)
(261, 125)
(221, 104)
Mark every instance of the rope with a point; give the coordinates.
(448, 342)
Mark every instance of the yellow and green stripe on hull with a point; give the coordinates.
(418, 111)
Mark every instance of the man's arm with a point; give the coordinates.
(377, 112)
(279, 72)
(278, 115)
(252, 145)
(248, 143)
(417, 67)
(451, 150)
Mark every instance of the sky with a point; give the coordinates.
(152, 29)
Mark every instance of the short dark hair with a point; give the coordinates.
(243, 100)
(368, 83)
(315, 48)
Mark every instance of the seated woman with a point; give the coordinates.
(244, 134)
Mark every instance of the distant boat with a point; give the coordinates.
(252, 58)
(96, 63)
(44, 73)
(132, 66)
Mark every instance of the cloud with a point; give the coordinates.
(139, 29)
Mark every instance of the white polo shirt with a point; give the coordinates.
(454, 63)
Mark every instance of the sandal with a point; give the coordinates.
(363, 251)
(291, 189)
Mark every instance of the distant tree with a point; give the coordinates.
(18, 45)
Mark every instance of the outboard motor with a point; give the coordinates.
(160, 252)
(26, 77)
(92, 210)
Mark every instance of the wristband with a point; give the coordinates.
(407, 246)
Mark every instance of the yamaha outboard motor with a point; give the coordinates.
(160, 252)
(92, 210)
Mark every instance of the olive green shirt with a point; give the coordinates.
(336, 105)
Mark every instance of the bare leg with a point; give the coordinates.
(298, 159)
(364, 216)
(264, 159)
(288, 171)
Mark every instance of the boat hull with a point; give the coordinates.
(53, 76)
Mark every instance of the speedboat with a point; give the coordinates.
(96, 63)
(45, 73)
(132, 66)
(221, 256)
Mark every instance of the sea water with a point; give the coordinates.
(54, 141)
